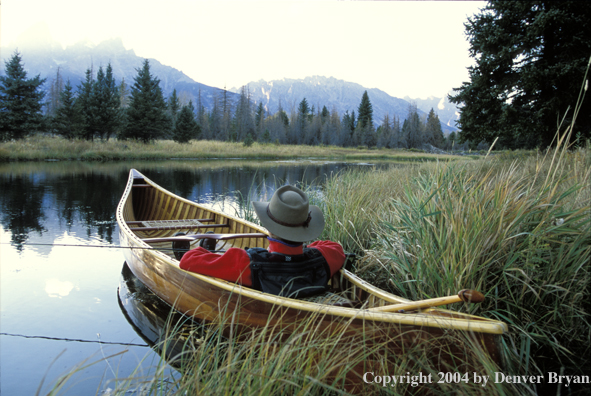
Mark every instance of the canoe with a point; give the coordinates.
(148, 216)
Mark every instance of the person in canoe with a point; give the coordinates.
(287, 267)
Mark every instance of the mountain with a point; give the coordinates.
(448, 112)
(41, 55)
(333, 93)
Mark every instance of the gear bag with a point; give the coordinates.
(295, 276)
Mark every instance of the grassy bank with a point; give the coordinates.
(40, 148)
(517, 229)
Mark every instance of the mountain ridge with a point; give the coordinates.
(41, 55)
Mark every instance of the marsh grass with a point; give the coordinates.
(307, 359)
(519, 231)
(43, 147)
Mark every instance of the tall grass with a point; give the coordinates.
(519, 231)
(308, 359)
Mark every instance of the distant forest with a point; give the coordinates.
(102, 108)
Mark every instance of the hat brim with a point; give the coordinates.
(295, 234)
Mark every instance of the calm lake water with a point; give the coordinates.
(59, 305)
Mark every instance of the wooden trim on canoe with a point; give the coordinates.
(179, 227)
(142, 185)
(168, 221)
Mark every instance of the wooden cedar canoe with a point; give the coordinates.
(149, 215)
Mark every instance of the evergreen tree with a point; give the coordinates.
(325, 114)
(365, 111)
(433, 132)
(531, 58)
(20, 101)
(186, 127)
(85, 106)
(106, 103)
(243, 118)
(67, 120)
(173, 107)
(146, 116)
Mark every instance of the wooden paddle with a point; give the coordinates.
(204, 236)
(464, 295)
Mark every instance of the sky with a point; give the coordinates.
(405, 48)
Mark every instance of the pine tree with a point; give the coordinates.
(20, 101)
(85, 106)
(106, 102)
(146, 116)
(173, 106)
(433, 132)
(67, 120)
(186, 127)
(365, 111)
(530, 61)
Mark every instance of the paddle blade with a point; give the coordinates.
(472, 296)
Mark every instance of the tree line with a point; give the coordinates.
(101, 108)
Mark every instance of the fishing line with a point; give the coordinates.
(74, 340)
(102, 246)
(94, 246)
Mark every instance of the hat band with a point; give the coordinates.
(276, 220)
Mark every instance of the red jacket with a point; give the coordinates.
(234, 264)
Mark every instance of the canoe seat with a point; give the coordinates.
(331, 298)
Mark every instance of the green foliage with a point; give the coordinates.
(517, 231)
(433, 132)
(186, 127)
(146, 116)
(20, 101)
(174, 106)
(67, 121)
(530, 62)
(248, 140)
(365, 111)
(106, 103)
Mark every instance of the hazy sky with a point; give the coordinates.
(414, 48)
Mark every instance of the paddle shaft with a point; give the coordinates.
(190, 238)
(464, 295)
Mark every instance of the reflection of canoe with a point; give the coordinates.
(164, 330)
(147, 211)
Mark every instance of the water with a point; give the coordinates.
(59, 304)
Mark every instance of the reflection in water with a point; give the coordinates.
(48, 199)
(57, 288)
(164, 329)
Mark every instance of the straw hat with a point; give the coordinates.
(289, 215)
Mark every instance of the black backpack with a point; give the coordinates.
(289, 276)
